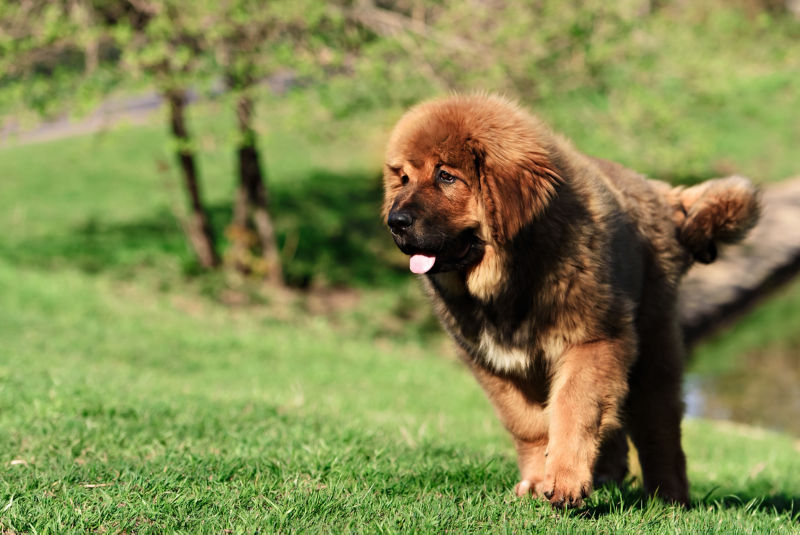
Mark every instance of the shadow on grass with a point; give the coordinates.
(96, 245)
(498, 476)
(613, 499)
(768, 502)
(328, 225)
(330, 230)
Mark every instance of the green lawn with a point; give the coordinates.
(126, 410)
(137, 395)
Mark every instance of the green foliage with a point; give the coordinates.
(39, 60)
(252, 39)
(679, 92)
(670, 88)
(164, 41)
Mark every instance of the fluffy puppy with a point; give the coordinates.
(557, 274)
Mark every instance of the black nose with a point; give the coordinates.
(399, 220)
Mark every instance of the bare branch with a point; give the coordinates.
(144, 7)
(389, 23)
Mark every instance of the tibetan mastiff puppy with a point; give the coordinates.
(557, 275)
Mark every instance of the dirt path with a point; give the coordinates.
(131, 110)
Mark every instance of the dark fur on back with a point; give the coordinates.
(557, 275)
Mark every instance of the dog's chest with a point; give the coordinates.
(506, 339)
(503, 350)
(502, 357)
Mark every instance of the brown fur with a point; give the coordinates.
(564, 302)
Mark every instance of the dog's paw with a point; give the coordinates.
(525, 487)
(564, 489)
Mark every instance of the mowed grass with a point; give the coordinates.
(124, 410)
(135, 397)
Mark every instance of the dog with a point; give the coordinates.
(557, 274)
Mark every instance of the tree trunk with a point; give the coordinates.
(91, 56)
(251, 207)
(198, 228)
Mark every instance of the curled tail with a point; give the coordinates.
(722, 210)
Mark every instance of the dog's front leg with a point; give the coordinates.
(589, 386)
(523, 414)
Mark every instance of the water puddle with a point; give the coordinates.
(760, 389)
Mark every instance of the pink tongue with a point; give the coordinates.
(421, 263)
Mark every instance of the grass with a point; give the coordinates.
(90, 182)
(683, 106)
(668, 130)
(127, 410)
(139, 395)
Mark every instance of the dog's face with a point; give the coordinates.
(462, 174)
(432, 204)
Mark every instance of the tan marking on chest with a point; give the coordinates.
(509, 359)
(502, 358)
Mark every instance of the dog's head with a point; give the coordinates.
(464, 175)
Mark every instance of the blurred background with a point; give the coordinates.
(190, 192)
(231, 151)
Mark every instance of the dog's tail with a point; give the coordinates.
(722, 210)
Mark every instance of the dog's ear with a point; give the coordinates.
(516, 187)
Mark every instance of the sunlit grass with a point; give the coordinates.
(123, 409)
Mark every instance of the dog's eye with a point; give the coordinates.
(444, 177)
(404, 179)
